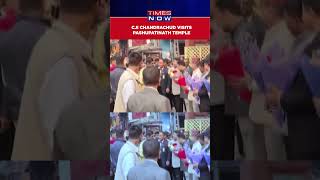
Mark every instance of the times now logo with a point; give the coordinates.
(159, 15)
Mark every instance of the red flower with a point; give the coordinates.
(229, 64)
(8, 21)
(269, 59)
(182, 82)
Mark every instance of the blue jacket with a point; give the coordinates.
(114, 152)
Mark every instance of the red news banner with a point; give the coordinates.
(160, 25)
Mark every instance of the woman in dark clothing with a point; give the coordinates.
(203, 91)
(299, 102)
(301, 111)
(204, 99)
(204, 170)
(203, 165)
(303, 121)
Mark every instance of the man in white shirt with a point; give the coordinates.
(176, 89)
(277, 35)
(129, 82)
(129, 154)
(196, 74)
(196, 148)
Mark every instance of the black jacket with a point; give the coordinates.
(165, 81)
(302, 118)
(204, 97)
(16, 48)
(165, 153)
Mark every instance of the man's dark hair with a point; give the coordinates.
(113, 132)
(151, 75)
(134, 59)
(207, 134)
(119, 133)
(77, 6)
(31, 5)
(181, 135)
(312, 4)
(201, 64)
(149, 60)
(294, 8)
(233, 6)
(166, 134)
(181, 63)
(206, 60)
(149, 134)
(151, 149)
(119, 60)
(135, 132)
(156, 59)
(166, 61)
(169, 134)
(247, 7)
(201, 136)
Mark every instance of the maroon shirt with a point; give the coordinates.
(8, 20)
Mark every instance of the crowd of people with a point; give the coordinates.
(52, 67)
(136, 155)
(159, 85)
(266, 76)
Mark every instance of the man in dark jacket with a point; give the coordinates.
(165, 80)
(203, 92)
(245, 34)
(115, 149)
(16, 47)
(165, 154)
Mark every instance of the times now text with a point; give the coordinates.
(159, 15)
